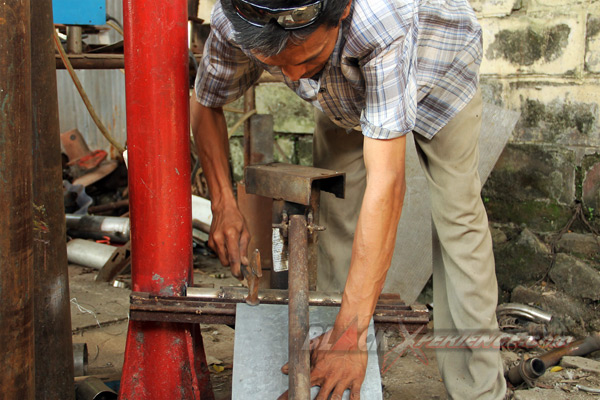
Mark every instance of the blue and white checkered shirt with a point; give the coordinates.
(397, 66)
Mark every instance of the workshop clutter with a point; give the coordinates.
(96, 199)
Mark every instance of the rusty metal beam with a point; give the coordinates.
(292, 183)
(17, 348)
(53, 340)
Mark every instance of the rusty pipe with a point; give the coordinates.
(17, 348)
(533, 368)
(299, 356)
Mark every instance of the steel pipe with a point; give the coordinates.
(16, 236)
(162, 360)
(299, 356)
(53, 340)
(90, 254)
(264, 295)
(80, 359)
(93, 388)
(117, 229)
(531, 369)
(522, 310)
(74, 42)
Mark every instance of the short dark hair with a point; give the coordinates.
(271, 39)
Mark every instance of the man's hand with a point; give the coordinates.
(229, 238)
(338, 362)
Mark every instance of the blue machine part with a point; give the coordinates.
(79, 12)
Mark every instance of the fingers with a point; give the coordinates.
(355, 391)
(339, 390)
(218, 245)
(286, 368)
(283, 396)
(326, 389)
(244, 242)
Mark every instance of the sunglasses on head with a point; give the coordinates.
(287, 17)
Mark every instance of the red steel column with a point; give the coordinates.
(162, 360)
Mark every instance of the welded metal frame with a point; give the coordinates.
(296, 191)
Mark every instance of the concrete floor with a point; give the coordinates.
(99, 319)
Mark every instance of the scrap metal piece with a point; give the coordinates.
(80, 359)
(293, 183)
(94, 389)
(96, 227)
(533, 368)
(522, 310)
(88, 253)
(253, 273)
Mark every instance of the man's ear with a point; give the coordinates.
(346, 11)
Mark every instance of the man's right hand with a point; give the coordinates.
(229, 238)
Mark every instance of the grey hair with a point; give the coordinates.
(271, 39)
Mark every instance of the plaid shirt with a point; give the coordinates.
(397, 66)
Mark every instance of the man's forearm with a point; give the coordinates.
(375, 233)
(210, 134)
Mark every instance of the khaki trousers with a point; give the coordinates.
(464, 280)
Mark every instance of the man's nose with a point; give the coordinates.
(294, 72)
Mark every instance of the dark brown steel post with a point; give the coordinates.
(53, 341)
(299, 356)
(16, 235)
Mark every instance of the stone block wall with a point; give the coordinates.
(542, 58)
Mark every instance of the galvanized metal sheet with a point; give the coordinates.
(261, 348)
(292, 183)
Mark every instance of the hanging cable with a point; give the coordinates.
(83, 94)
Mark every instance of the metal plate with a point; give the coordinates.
(261, 348)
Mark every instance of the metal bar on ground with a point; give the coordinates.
(53, 340)
(163, 360)
(17, 349)
(299, 356)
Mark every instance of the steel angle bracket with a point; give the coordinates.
(292, 183)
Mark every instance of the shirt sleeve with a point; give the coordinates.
(225, 72)
(390, 81)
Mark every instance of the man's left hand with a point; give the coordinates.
(338, 362)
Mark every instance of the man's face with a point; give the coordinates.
(307, 58)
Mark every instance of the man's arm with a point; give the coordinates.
(342, 360)
(229, 236)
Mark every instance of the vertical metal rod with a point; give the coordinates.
(53, 341)
(249, 105)
(74, 40)
(313, 240)
(17, 350)
(162, 360)
(299, 356)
